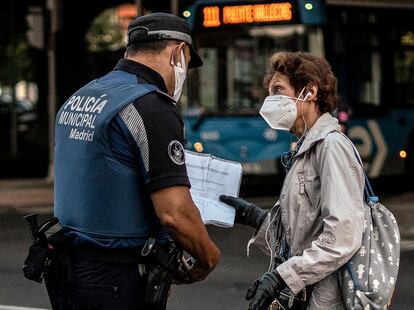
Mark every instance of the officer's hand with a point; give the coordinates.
(182, 275)
(264, 290)
(189, 272)
(247, 213)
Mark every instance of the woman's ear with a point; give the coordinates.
(311, 92)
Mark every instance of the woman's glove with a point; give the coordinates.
(264, 290)
(247, 213)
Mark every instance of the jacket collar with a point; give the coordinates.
(323, 126)
(144, 74)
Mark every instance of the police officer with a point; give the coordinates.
(120, 174)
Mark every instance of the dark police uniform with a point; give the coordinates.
(110, 154)
(118, 139)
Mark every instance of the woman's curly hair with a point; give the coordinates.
(304, 69)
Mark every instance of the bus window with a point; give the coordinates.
(207, 80)
(364, 68)
(235, 63)
(404, 70)
(315, 42)
(243, 83)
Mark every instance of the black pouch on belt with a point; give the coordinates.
(286, 300)
(35, 262)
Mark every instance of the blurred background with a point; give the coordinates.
(50, 48)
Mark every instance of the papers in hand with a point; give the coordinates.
(211, 177)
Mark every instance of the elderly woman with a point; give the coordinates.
(316, 226)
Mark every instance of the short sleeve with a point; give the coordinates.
(158, 130)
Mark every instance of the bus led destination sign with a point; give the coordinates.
(215, 16)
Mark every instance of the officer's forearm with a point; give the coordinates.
(181, 218)
(187, 229)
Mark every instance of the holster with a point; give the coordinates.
(48, 259)
(164, 261)
(58, 276)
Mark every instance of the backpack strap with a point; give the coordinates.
(369, 195)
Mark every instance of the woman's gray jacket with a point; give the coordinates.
(321, 209)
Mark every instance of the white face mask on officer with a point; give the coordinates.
(180, 73)
(280, 111)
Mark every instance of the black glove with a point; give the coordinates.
(247, 213)
(264, 290)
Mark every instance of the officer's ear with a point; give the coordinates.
(176, 54)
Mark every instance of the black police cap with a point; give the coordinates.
(163, 26)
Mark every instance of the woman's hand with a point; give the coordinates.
(247, 213)
(264, 290)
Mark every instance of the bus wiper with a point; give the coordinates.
(199, 121)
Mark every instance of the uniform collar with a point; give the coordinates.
(325, 124)
(142, 72)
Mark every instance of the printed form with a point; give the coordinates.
(211, 177)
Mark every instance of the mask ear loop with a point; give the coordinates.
(301, 112)
(182, 58)
(183, 64)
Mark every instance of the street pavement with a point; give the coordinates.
(224, 288)
(36, 195)
(26, 194)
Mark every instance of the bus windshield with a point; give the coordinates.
(231, 79)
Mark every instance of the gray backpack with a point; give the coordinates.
(368, 278)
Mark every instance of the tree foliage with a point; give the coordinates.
(15, 53)
(105, 33)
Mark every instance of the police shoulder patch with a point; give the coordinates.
(176, 152)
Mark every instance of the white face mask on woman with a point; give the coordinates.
(180, 73)
(280, 111)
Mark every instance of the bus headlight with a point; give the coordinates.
(403, 154)
(198, 146)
